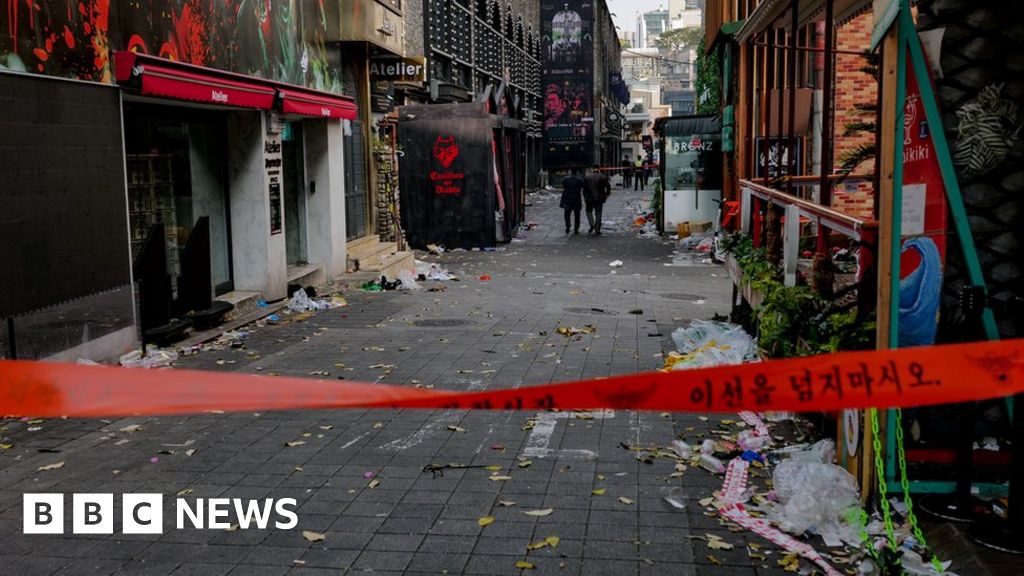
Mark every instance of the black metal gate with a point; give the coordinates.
(355, 182)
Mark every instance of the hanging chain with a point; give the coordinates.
(883, 488)
(905, 483)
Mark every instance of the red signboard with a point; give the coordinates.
(446, 182)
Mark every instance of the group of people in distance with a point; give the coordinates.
(636, 172)
(592, 189)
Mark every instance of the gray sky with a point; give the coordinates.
(625, 11)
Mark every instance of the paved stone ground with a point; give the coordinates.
(474, 335)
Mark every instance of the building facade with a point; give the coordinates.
(216, 143)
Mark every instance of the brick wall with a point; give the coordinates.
(853, 86)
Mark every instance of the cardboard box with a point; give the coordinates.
(683, 230)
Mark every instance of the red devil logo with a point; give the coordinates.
(446, 150)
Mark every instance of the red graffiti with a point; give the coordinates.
(188, 41)
(12, 17)
(69, 38)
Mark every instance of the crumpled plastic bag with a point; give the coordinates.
(816, 495)
(300, 302)
(408, 280)
(707, 343)
(154, 358)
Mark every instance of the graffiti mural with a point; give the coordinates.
(281, 40)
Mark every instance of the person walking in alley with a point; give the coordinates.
(572, 199)
(627, 171)
(598, 188)
(638, 173)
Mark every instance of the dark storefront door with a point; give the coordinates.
(355, 183)
(294, 176)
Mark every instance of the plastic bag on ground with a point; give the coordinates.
(154, 358)
(707, 343)
(408, 280)
(300, 302)
(816, 495)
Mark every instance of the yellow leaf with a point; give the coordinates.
(525, 463)
(706, 501)
(716, 543)
(536, 545)
(378, 424)
(524, 565)
(485, 520)
(493, 468)
(714, 560)
(313, 536)
(53, 466)
(373, 484)
(625, 500)
(600, 476)
(598, 492)
(231, 528)
(553, 541)
(542, 512)
(500, 478)
(6, 446)
(184, 492)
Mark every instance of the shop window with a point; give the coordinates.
(177, 172)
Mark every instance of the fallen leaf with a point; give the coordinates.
(506, 503)
(313, 536)
(6, 446)
(326, 427)
(231, 528)
(714, 560)
(373, 484)
(184, 492)
(53, 466)
(665, 415)
(553, 541)
(293, 444)
(525, 463)
(542, 512)
(190, 452)
(500, 478)
(702, 418)
(647, 561)
(598, 492)
(524, 565)
(716, 543)
(485, 521)
(378, 424)
(625, 500)
(456, 428)
(790, 562)
(130, 429)
(706, 501)
(493, 468)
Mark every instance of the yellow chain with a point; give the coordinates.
(883, 488)
(905, 483)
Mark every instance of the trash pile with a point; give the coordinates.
(643, 220)
(706, 343)
(153, 358)
(301, 302)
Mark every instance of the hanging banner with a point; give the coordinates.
(568, 80)
(878, 378)
(923, 224)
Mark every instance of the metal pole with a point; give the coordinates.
(793, 42)
(827, 88)
(12, 345)
(766, 89)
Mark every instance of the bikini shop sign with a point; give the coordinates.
(446, 182)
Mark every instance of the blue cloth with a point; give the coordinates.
(920, 293)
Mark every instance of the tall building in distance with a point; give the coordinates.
(654, 23)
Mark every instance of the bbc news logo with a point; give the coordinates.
(144, 514)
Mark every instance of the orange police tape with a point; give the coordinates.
(907, 377)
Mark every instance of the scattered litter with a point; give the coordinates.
(541, 512)
(300, 302)
(408, 280)
(154, 358)
(313, 536)
(707, 343)
(54, 466)
(435, 249)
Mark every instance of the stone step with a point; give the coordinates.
(363, 247)
(306, 275)
(392, 264)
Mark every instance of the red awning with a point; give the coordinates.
(305, 102)
(159, 77)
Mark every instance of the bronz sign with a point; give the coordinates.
(411, 69)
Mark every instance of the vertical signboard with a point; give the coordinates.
(567, 47)
(272, 159)
(923, 224)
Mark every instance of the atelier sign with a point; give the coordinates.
(389, 68)
(272, 164)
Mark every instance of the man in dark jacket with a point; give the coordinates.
(572, 201)
(597, 190)
(627, 172)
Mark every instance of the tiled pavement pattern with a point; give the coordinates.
(473, 335)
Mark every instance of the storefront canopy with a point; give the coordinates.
(153, 76)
